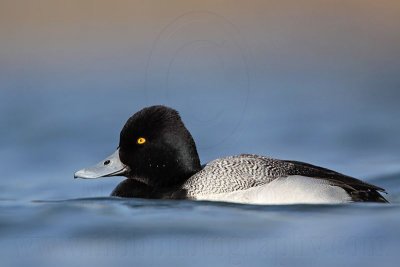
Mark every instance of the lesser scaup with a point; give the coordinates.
(159, 157)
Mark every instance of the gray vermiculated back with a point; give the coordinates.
(235, 173)
(242, 172)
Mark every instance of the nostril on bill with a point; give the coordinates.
(107, 162)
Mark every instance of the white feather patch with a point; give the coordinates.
(286, 190)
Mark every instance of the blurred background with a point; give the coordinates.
(309, 80)
(316, 81)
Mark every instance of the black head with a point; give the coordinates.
(157, 147)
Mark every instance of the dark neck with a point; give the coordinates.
(177, 163)
(166, 168)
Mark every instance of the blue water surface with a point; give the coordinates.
(331, 101)
(48, 218)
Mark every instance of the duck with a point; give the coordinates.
(158, 156)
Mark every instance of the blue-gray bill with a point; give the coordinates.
(110, 166)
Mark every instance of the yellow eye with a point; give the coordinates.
(141, 140)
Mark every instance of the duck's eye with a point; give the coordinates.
(141, 140)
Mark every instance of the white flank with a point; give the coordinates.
(286, 190)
